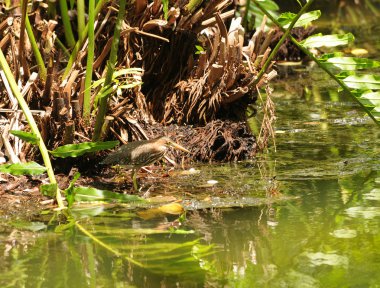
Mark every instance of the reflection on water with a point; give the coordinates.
(323, 230)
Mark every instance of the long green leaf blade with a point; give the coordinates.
(75, 150)
(26, 136)
(319, 40)
(93, 194)
(29, 168)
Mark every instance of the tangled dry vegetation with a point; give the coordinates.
(209, 87)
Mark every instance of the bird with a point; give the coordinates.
(137, 154)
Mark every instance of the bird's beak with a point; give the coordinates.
(179, 147)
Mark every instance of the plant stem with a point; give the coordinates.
(52, 9)
(36, 51)
(245, 18)
(21, 54)
(103, 102)
(69, 35)
(81, 18)
(64, 49)
(282, 39)
(29, 117)
(90, 61)
(320, 64)
(80, 42)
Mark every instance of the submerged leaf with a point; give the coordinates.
(172, 208)
(29, 168)
(93, 194)
(32, 226)
(26, 136)
(75, 150)
(334, 40)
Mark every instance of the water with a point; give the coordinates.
(304, 216)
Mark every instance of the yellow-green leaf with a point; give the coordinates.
(75, 150)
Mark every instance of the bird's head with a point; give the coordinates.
(167, 142)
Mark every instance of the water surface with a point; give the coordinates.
(305, 215)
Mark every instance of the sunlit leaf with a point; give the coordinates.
(364, 82)
(368, 98)
(334, 40)
(352, 63)
(26, 136)
(29, 168)
(130, 85)
(286, 18)
(93, 194)
(120, 73)
(75, 150)
(345, 74)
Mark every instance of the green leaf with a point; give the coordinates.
(165, 4)
(93, 194)
(49, 189)
(334, 40)
(256, 15)
(75, 150)
(31, 226)
(372, 98)
(29, 168)
(268, 5)
(69, 191)
(286, 18)
(364, 82)
(119, 73)
(26, 136)
(105, 91)
(350, 63)
(368, 98)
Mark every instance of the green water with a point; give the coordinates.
(321, 228)
(321, 231)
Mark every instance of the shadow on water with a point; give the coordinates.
(321, 230)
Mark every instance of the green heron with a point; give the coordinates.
(137, 154)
